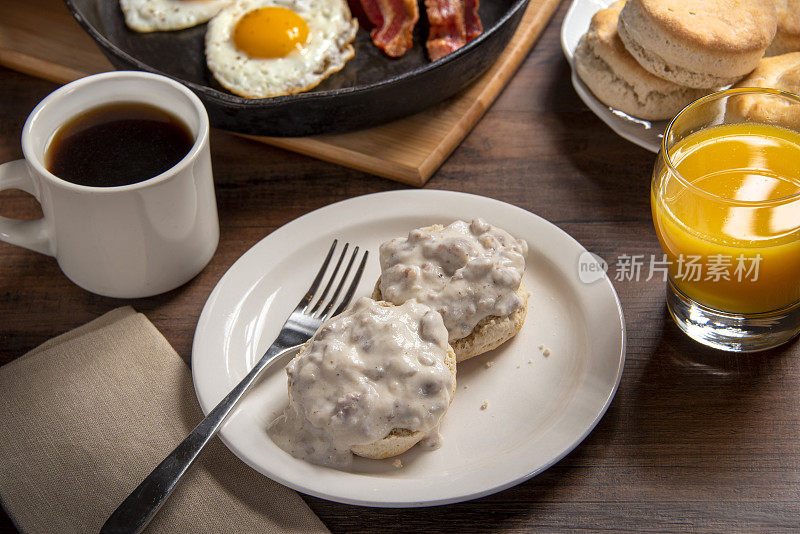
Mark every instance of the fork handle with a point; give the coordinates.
(139, 507)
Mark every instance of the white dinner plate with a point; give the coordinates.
(538, 408)
(646, 134)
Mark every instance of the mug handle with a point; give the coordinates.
(32, 235)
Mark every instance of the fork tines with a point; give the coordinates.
(322, 307)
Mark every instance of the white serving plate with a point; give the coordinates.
(539, 408)
(646, 134)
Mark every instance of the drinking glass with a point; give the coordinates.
(725, 200)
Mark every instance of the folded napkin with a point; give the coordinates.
(89, 414)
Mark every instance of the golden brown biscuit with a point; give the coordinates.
(777, 72)
(787, 39)
(698, 43)
(618, 80)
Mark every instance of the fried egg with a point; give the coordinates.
(266, 48)
(157, 15)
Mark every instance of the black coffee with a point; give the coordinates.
(118, 144)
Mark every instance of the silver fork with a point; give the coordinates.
(139, 507)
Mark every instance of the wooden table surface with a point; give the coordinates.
(694, 440)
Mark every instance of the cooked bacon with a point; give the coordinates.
(453, 23)
(394, 22)
(472, 21)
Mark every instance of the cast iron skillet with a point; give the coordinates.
(370, 90)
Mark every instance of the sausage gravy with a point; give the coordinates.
(465, 271)
(365, 372)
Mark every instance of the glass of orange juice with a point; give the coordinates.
(725, 199)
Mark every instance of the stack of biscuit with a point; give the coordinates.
(651, 58)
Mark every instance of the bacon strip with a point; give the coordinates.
(394, 22)
(472, 21)
(453, 23)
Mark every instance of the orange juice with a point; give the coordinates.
(731, 226)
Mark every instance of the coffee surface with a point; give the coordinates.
(118, 144)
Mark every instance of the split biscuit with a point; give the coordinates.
(489, 333)
(400, 440)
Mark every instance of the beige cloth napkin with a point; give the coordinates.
(89, 414)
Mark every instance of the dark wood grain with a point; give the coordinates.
(695, 439)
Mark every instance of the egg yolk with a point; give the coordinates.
(270, 32)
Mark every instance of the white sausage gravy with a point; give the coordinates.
(465, 271)
(365, 372)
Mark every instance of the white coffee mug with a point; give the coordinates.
(128, 241)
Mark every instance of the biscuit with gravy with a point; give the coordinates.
(470, 272)
(489, 333)
(399, 440)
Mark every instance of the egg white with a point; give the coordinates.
(159, 15)
(331, 30)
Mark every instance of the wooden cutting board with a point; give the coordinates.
(40, 37)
